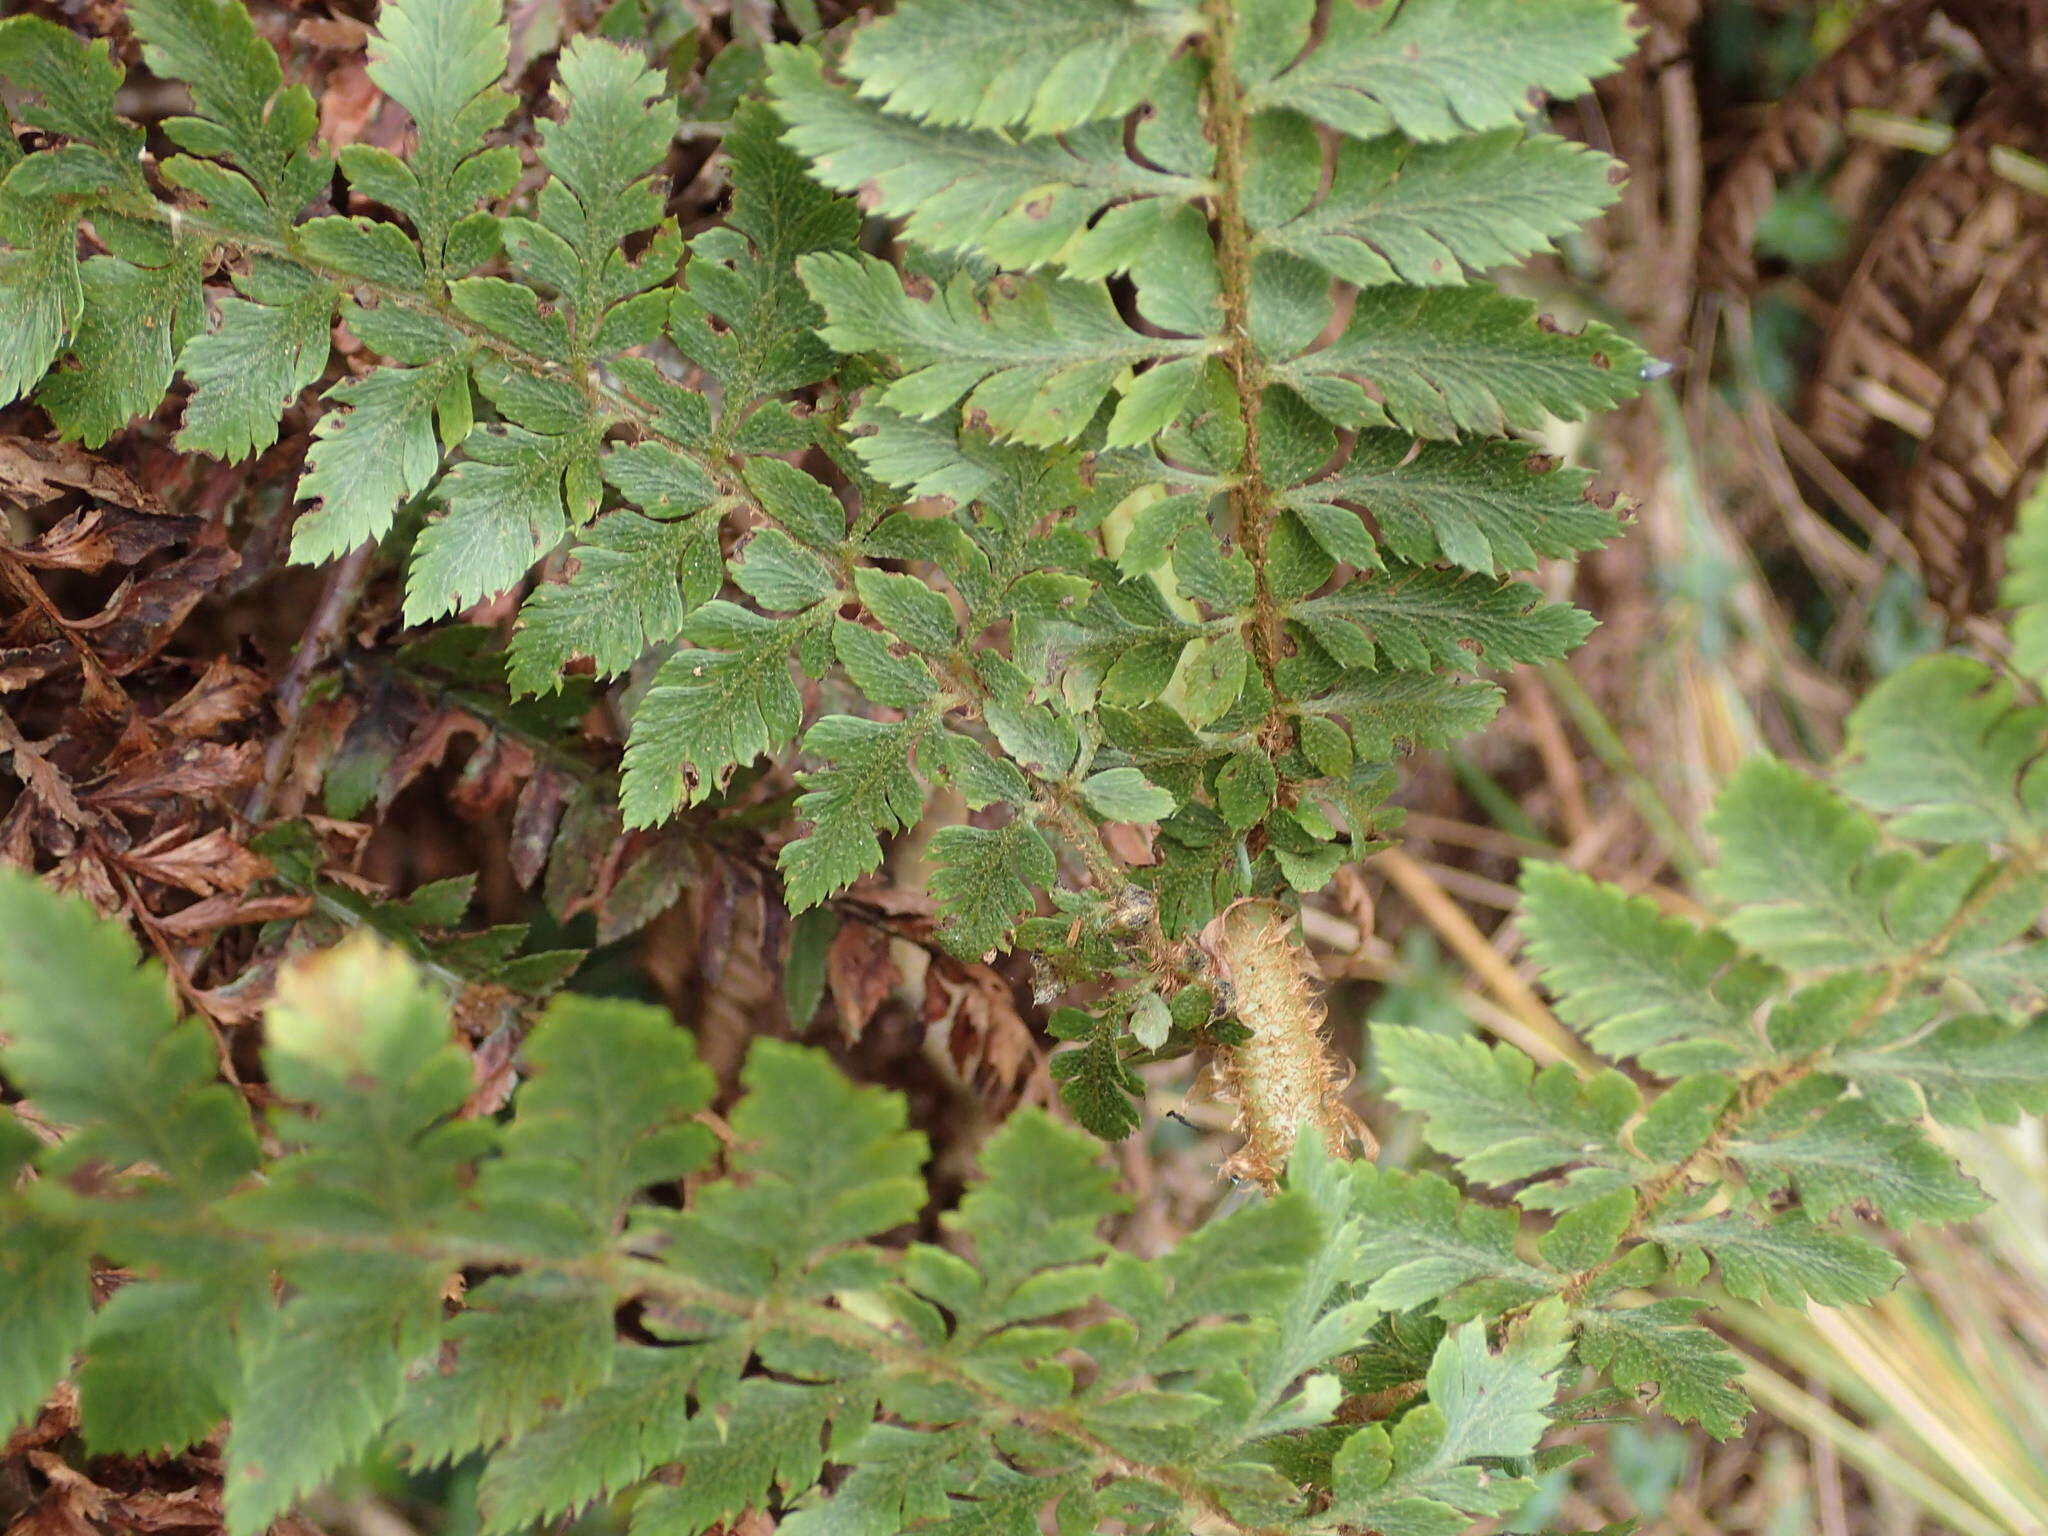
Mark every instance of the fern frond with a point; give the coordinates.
(710, 709)
(948, 1394)
(1021, 203)
(1036, 363)
(1481, 506)
(1084, 509)
(1639, 984)
(518, 382)
(1445, 361)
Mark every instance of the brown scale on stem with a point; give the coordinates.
(1251, 499)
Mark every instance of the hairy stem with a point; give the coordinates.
(1251, 499)
(1284, 1079)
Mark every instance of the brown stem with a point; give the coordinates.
(330, 619)
(1251, 499)
(1284, 1079)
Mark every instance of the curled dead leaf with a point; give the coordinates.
(860, 973)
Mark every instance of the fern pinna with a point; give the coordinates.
(1167, 476)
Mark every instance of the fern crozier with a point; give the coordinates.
(1284, 1080)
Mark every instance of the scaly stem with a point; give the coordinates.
(1251, 499)
(1283, 1079)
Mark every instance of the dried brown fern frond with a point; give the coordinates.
(1929, 391)
(1960, 494)
(1893, 60)
(1937, 261)
(2012, 33)
(1648, 116)
(1927, 395)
